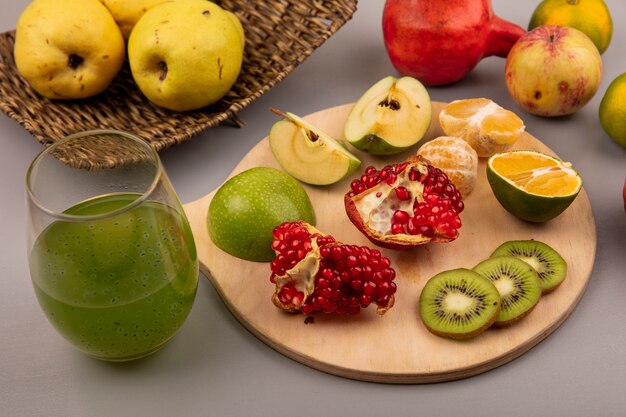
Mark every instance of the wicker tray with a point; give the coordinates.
(280, 34)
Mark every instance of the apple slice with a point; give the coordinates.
(307, 153)
(393, 115)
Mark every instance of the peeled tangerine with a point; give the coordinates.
(456, 158)
(315, 273)
(485, 125)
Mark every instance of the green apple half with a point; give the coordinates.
(307, 153)
(393, 115)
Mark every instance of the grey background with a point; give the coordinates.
(214, 367)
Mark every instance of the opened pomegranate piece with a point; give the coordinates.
(313, 272)
(405, 205)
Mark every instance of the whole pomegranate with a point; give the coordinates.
(405, 205)
(439, 42)
(315, 273)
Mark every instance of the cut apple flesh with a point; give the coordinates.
(308, 154)
(391, 116)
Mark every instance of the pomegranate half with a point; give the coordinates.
(313, 272)
(405, 205)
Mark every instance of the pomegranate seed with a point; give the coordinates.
(356, 272)
(388, 274)
(326, 293)
(402, 193)
(414, 174)
(369, 288)
(297, 299)
(432, 199)
(397, 228)
(356, 284)
(391, 178)
(379, 194)
(399, 168)
(456, 223)
(370, 170)
(426, 231)
(401, 216)
(365, 300)
(367, 272)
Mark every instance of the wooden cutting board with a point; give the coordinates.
(396, 347)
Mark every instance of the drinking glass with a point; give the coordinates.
(111, 254)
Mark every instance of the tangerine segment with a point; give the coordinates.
(503, 124)
(553, 183)
(466, 109)
(482, 123)
(514, 163)
(536, 173)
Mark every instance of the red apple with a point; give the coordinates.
(439, 42)
(553, 70)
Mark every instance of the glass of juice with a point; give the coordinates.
(112, 257)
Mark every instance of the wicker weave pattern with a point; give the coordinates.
(280, 34)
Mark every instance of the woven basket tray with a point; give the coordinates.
(280, 34)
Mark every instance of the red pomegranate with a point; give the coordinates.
(439, 42)
(405, 205)
(315, 273)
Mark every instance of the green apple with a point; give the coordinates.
(127, 12)
(393, 115)
(186, 54)
(246, 208)
(68, 49)
(309, 154)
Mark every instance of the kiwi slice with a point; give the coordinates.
(459, 304)
(550, 266)
(518, 285)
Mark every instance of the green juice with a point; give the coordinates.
(120, 287)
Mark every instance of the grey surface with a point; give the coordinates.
(214, 367)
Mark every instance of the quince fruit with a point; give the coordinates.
(186, 54)
(127, 12)
(68, 49)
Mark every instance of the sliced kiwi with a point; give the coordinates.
(550, 266)
(459, 304)
(518, 285)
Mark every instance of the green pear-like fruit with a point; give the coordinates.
(393, 115)
(186, 54)
(68, 49)
(127, 12)
(309, 154)
(246, 208)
